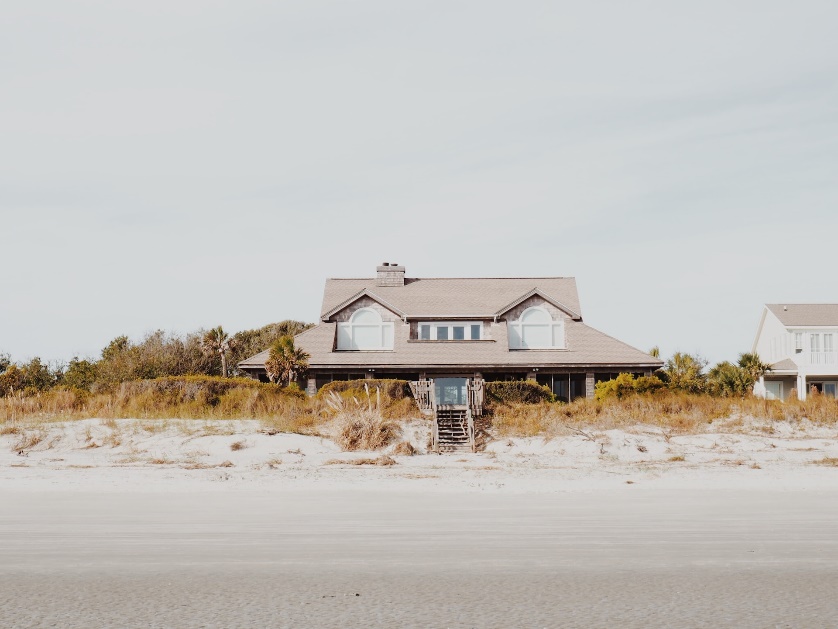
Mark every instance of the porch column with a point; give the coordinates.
(590, 384)
(801, 387)
(311, 385)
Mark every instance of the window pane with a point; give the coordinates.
(366, 316)
(459, 333)
(442, 333)
(514, 336)
(475, 332)
(816, 342)
(773, 390)
(344, 336)
(827, 342)
(425, 332)
(536, 315)
(798, 340)
(536, 335)
(558, 336)
(367, 337)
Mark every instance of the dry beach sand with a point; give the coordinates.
(213, 524)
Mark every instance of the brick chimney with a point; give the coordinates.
(390, 274)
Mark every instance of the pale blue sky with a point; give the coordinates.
(180, 165)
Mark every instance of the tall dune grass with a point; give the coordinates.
(672, 412)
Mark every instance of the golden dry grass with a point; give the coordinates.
(404, 448)
(673, 413)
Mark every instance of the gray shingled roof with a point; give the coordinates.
(587, 346)
(805, 314)
(453, 297)
(787, 364)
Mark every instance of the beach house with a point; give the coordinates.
(393, 326)
(799, 342)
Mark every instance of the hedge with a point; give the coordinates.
(518, 391)
(394, 389)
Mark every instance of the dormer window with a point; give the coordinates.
(536, 330)
(450, 331)
(365, 331)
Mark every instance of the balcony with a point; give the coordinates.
(818, 358)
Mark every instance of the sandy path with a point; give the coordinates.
(633, 557)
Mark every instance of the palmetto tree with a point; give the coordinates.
(285, 362)
(753, 365)
(217, 341)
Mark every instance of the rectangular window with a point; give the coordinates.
(827, 342)
(815, 342)
(773, 390)
(448, 331)
(798, 342)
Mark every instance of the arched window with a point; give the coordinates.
(365, 331)
(536, 330)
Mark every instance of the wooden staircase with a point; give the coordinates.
(453, 429)
(453, 425)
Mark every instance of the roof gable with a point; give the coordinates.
(532, 293)
(359, 295)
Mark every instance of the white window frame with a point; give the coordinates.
(435, 325)
(348, 332)
(798, 342)
(517, 331)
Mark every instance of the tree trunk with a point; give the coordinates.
(223, 365)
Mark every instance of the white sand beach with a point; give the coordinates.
(171, 524)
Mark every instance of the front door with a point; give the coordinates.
(451, 391)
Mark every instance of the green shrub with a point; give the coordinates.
(626, 384)
(518, 392)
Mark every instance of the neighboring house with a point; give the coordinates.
(799, 342)
(390, 326)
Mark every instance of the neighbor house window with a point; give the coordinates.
(798, 342)
(827, 343)
(449, 331)
(536, 330)
(815, 343)
(365, 331)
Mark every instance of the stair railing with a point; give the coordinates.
(470, 420)
(435, 423)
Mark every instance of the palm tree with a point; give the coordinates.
(753, 365)
(217, 341)
(285, 362)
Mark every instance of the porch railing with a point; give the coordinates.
(823, 358)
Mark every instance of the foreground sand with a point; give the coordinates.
(187, 454)
(596, 530)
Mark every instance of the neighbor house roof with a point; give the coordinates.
(805, 314)
(787, 364)
(453, 297)
(587, 347)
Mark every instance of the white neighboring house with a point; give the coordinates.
(800, 342)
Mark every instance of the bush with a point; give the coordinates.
(518, 392)
(393, 389)
(626, 384)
